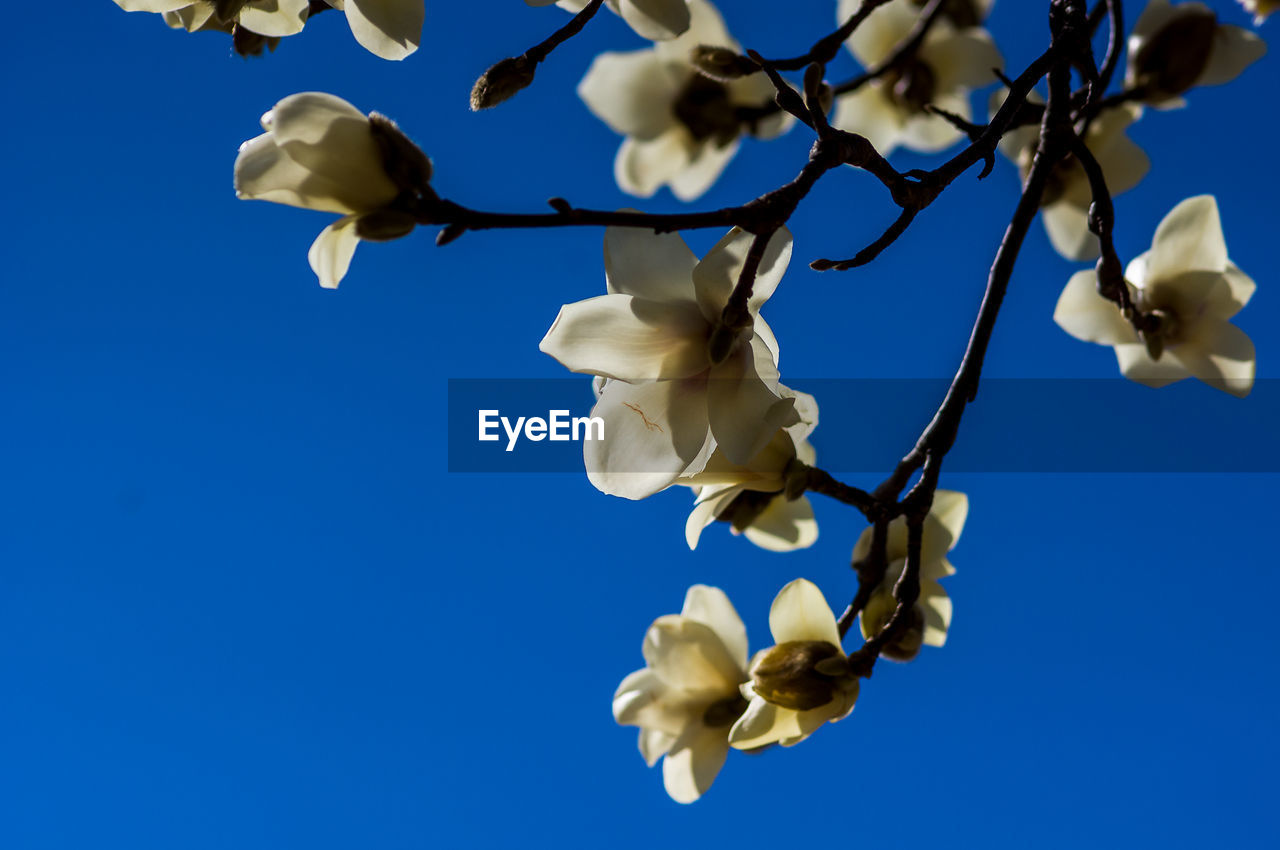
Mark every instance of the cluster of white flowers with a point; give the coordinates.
(391, 29)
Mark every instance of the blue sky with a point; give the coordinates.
(245, 605)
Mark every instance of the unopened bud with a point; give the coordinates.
(502, 82)
(1173, 59)
(405, 163)
(799, 674)
(721, 63)
(385, 225)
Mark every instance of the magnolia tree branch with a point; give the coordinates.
(506, 78)
(826, 48)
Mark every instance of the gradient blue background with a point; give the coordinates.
(242, 603)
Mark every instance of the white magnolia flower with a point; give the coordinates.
(801, 682)
(931, 615)
(320, 153)
(1065, 203)
(390, 29)
(670, 403)
(656, 20)
(750, 496)
(890, 110)
(1187, 278)
(1260, 8)
(682, 128)
(272, 18)
(1173, 48)
(687, 696)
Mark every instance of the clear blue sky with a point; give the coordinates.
(243, 603)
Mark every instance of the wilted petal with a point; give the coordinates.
(632, 92)
(276, 18)
(784, 525)
(652, 434)
(800, 612)
(1234, 49)
(711, 606)
(1221, 355)
(390, 29)
(641, 167)
(331, 253)
(694, 761)
(1086, 315)
(656, 266)
(689, 656)
(1136, 365)
(629, 338)
(1188, 239)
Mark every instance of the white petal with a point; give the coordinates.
(331, 253)
(963, 60)
(1123, 163)
(880, 33)
(264, 172)
(951, 508)
(705, 166)
(1241, 288)
(784, 526)
(705, 512)
(629, 338)
(1188, 239)
(705, 27)
(190, 18)
(644, 700)
(1234, 49)
(710, 606)
(694, 761)
(763, 723)
(1068, 229)
(715, 277)
(869, 112)
(1086, 315)
(652, 434)
(688, 656)
(275, 18)
(654, 744)
(937, 613)
(800, 612)
(641, 167)
(656, 19)
(1137, 365)
(632, 92)
(656, 266)
(1221, 355)
(152, 5)
(926, 132)
(391, 29)
(743, 411)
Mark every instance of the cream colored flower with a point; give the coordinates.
(390, 29)
(750, 497)
(803, 680)
(321, 153)
(671, 403)
(931, 615)
(273, 18)
(1260, 8)
(890, 111)
(1173, 48)
(1188, 280)
(687, 696)
(1064, 207)
(681, 128)
(656, 20)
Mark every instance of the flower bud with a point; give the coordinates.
(720, 63)
(799, 674)
(385, 225)
(501, 82)
(405, 163)
(1173, 59)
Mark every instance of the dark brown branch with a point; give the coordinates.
(826, 48)
(904, 51)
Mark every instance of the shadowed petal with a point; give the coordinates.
(800, 612)
(1086, 315)
(331, 253)
(629, 338)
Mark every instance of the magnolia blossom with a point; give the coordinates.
(1260, 8)
(1187, 280)
(681, 385)
(931, 615)
(682, 128)
(1065, 203)
(1173, 48)
(391, 29)
(321, 153)
(687, 696)
(652, 19)
(750, 497)
(890, 110)
(801, 682)
(272, 18)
